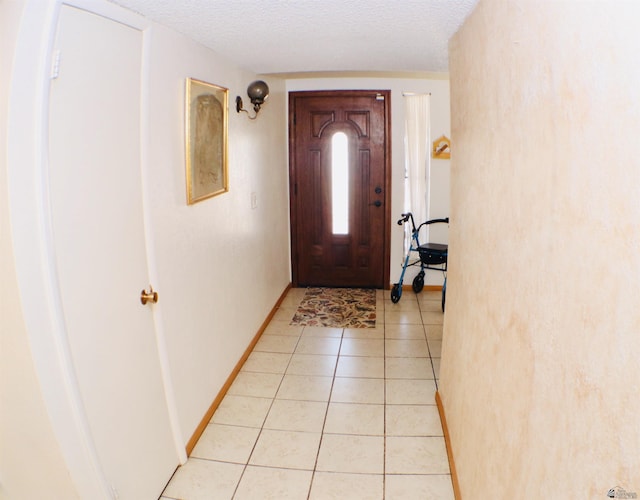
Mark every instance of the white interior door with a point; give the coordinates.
(99, 248)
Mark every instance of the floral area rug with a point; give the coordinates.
(337, 308)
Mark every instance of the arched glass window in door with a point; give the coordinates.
(340, 183)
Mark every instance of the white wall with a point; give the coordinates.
(220, 265)
(440, 125)
(539, 373)
(31, 462)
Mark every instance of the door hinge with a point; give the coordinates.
(55, 65)
(295, 119)
(295, 189)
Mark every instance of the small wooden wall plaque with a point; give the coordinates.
(441, 148)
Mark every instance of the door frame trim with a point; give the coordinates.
(293, 216)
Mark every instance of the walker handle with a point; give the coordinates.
(435, 221)
(405, 218)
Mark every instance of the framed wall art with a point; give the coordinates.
(206, 111)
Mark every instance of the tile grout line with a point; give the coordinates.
(384, 374)
(326, 413)
(264, 420)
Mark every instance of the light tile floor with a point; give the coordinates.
(329, 413)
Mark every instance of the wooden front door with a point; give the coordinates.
(340, 188)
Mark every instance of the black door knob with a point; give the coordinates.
(378, 190)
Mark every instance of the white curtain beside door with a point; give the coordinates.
(417, 158)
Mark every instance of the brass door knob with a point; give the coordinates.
(149, 296)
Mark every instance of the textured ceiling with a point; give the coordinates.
(294, 36)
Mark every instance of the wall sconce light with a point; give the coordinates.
(258, 92)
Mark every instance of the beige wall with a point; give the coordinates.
(540, 379)
(220, 264)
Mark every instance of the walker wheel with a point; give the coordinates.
(418, 282)
(396, 293)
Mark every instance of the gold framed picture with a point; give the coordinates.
(206, 110)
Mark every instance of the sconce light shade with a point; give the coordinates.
(258, 92)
